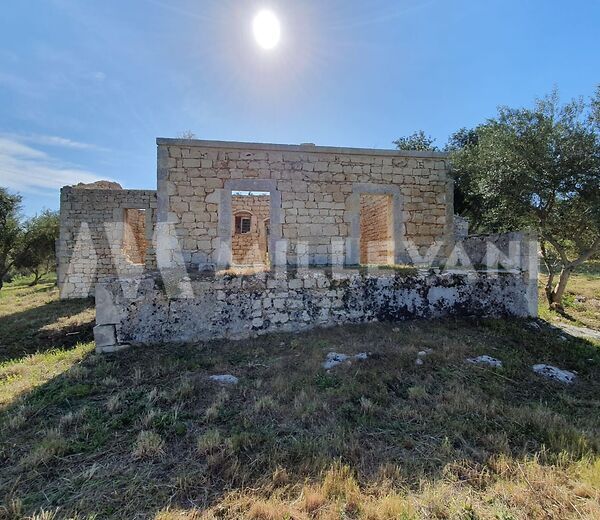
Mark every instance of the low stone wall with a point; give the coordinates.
(191, 310)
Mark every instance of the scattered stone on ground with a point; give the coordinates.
(334, 359)
(564, 376)
(226, 379)
(422, 354)
(485, 360)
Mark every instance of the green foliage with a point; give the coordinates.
(10, 230)
(37, 254)
(28, 246)
(417, 141)
(461, 139)
(536, 168)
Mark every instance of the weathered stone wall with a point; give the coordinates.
(375, 229)
(315, 194)
(513, 250)
(461, 227)
(158, 312)
(250, 248)
(92, 234)
(507, 249)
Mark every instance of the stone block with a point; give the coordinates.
(112, 348)
(105, 335)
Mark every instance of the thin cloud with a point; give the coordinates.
(51, 140)
(28, 170)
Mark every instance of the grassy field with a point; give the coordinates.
(582, 299)
(147, 435)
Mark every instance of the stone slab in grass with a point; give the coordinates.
(551, 372)
(334, 359)
(485, 360)
(224, 379)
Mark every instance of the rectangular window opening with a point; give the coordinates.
(376, 233)
(135, 243)
(242, 224)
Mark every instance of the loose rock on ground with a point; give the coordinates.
(226, 379)
(334, 359)
(564, 376)
(485, 360)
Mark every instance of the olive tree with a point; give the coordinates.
(537, 168)
(37, 254)
(10, 231)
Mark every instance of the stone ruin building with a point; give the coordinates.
(246, 238)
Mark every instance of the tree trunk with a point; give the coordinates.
(549, 288)
(36, 278)
(557, 293)
(550, 282)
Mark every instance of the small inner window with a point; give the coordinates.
(242, 225)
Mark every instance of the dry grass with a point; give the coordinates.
(52, 445)
(149, 436)
(148, 445)
(505, 489)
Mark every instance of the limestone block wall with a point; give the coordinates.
(242, 306)
(314, 195)
(250, 248)
(375, 229)
(93, 233)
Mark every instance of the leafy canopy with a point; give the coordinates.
(418, 141)
(37, 252)
(10, 230)
(535, 167)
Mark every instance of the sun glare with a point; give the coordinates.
(266, 29)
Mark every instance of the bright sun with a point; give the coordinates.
(266, 29)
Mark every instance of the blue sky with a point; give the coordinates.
(87, 86)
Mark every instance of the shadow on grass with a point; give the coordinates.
(565, 314)
(382, 416)
(55, 324)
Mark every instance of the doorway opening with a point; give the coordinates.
(250, 230)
